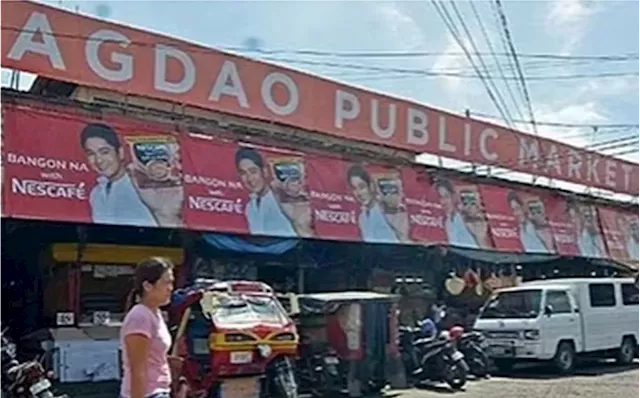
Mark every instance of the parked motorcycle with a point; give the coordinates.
(432, 359)
(23, 380)
(473, 346)
(281, 379)
(318, 370)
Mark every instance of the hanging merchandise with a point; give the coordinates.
(471, 278)
(518, 280)
(454, 284)
(493, 282)
(505, 279)
(479, 289)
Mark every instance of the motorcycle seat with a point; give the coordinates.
(472, 336)
(417, 371)
(430, 343)
(424, 341)
(408, 329)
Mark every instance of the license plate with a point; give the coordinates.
(245, 387)
(40, 386)
(457, 356)
(241, 357)
(331, 360)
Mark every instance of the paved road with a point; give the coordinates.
(589, 381)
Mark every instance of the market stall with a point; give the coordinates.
(86, 295)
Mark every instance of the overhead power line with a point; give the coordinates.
(404, 73)
(450, 24)
(515, 103)
(496, 91)
(360, 54)
(599, 146)
(413, 54)
(396, 72)
(568, 125)
(512, 49)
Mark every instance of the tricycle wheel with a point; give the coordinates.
(456, 376)
(281, 380)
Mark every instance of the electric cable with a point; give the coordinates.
(514, 54)
(482, 63)
(448, 21)
(495, 58)
(398, 71)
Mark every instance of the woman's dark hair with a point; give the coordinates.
(358, 171)
(100, 130)
(249, 154)
(512, 196)
(149, 270)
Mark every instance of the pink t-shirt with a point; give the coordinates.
(142, 320)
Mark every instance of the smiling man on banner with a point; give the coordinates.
(266, 213)
(376, 225)
(118, 197)
(531, 241)
(588, 236)
(633, 240)
(457, 231)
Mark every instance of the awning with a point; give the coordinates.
(250, 244)
(495, 257)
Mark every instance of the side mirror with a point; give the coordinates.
(548, 310)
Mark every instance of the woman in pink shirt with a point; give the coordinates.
(144, 337)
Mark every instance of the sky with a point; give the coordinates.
(567, 27)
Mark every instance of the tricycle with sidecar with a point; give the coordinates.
(234, 340)
(347, 342)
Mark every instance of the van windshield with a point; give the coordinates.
(513, 304)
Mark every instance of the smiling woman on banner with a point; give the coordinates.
(118, 198)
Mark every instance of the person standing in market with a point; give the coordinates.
(144, 337)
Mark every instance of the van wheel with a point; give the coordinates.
(626, 353)
(503, 365)
(565, 358)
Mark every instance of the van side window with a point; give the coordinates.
(559, 301)
(629, 294)
(602, 295)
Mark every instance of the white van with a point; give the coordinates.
(556, 320)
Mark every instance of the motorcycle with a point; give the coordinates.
(472, 345)
(281, 379)
(318, 370)
(432, 359)
(23, 380)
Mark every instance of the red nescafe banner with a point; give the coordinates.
(426, 216)
(620, 231)
(465, 222)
